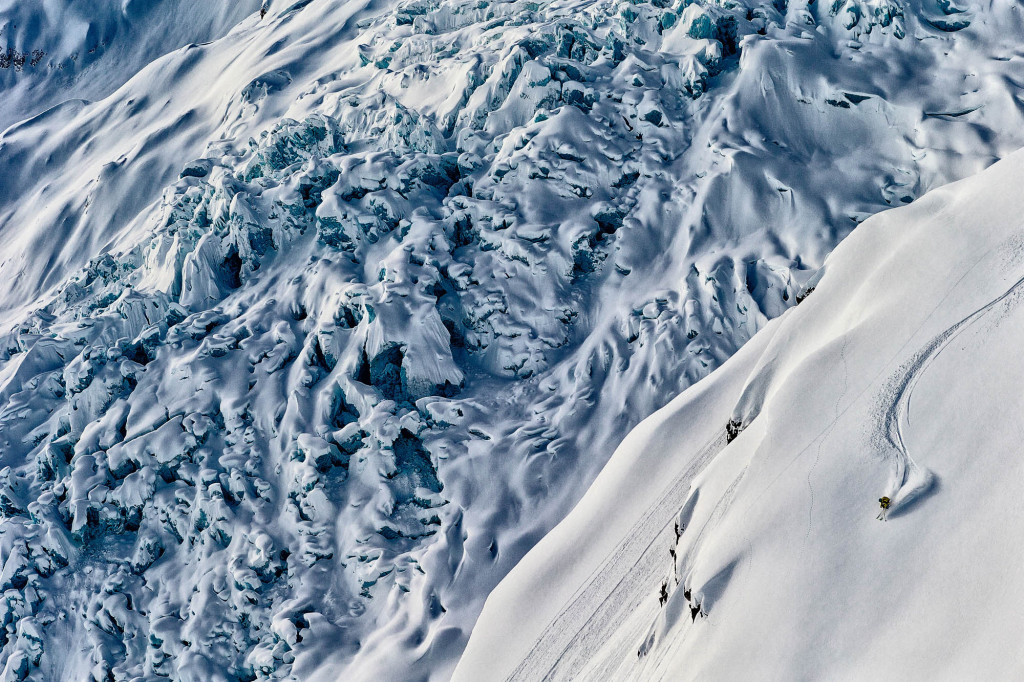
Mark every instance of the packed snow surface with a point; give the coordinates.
(312, 325)
(696, 558)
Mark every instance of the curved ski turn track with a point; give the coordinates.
(909, 479)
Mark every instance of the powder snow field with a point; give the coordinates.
(312, 326)
(897, 376)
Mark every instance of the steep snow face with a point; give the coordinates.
(693, 557)
(311, 332)
(51, 52)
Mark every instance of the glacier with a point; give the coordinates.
(313, 325)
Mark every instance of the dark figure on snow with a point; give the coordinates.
(885, 503)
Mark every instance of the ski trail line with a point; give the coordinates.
(897, 417)
(631, 553)
(870, 383)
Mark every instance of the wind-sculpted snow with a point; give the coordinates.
(312, 332)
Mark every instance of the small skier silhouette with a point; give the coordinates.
(263, 10)
(884, 502)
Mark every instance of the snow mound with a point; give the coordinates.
(733, 534)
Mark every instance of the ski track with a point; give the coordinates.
(869, 384)
(612, 616)
(617, 587)
(897, 417)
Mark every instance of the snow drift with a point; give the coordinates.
(696, 557)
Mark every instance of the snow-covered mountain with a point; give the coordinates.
(697, 557)
(55, 51)
(312, 325)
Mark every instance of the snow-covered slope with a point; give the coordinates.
(52, 52)
(311, 326)
(696, 558)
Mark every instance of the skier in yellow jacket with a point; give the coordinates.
(885, 502)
